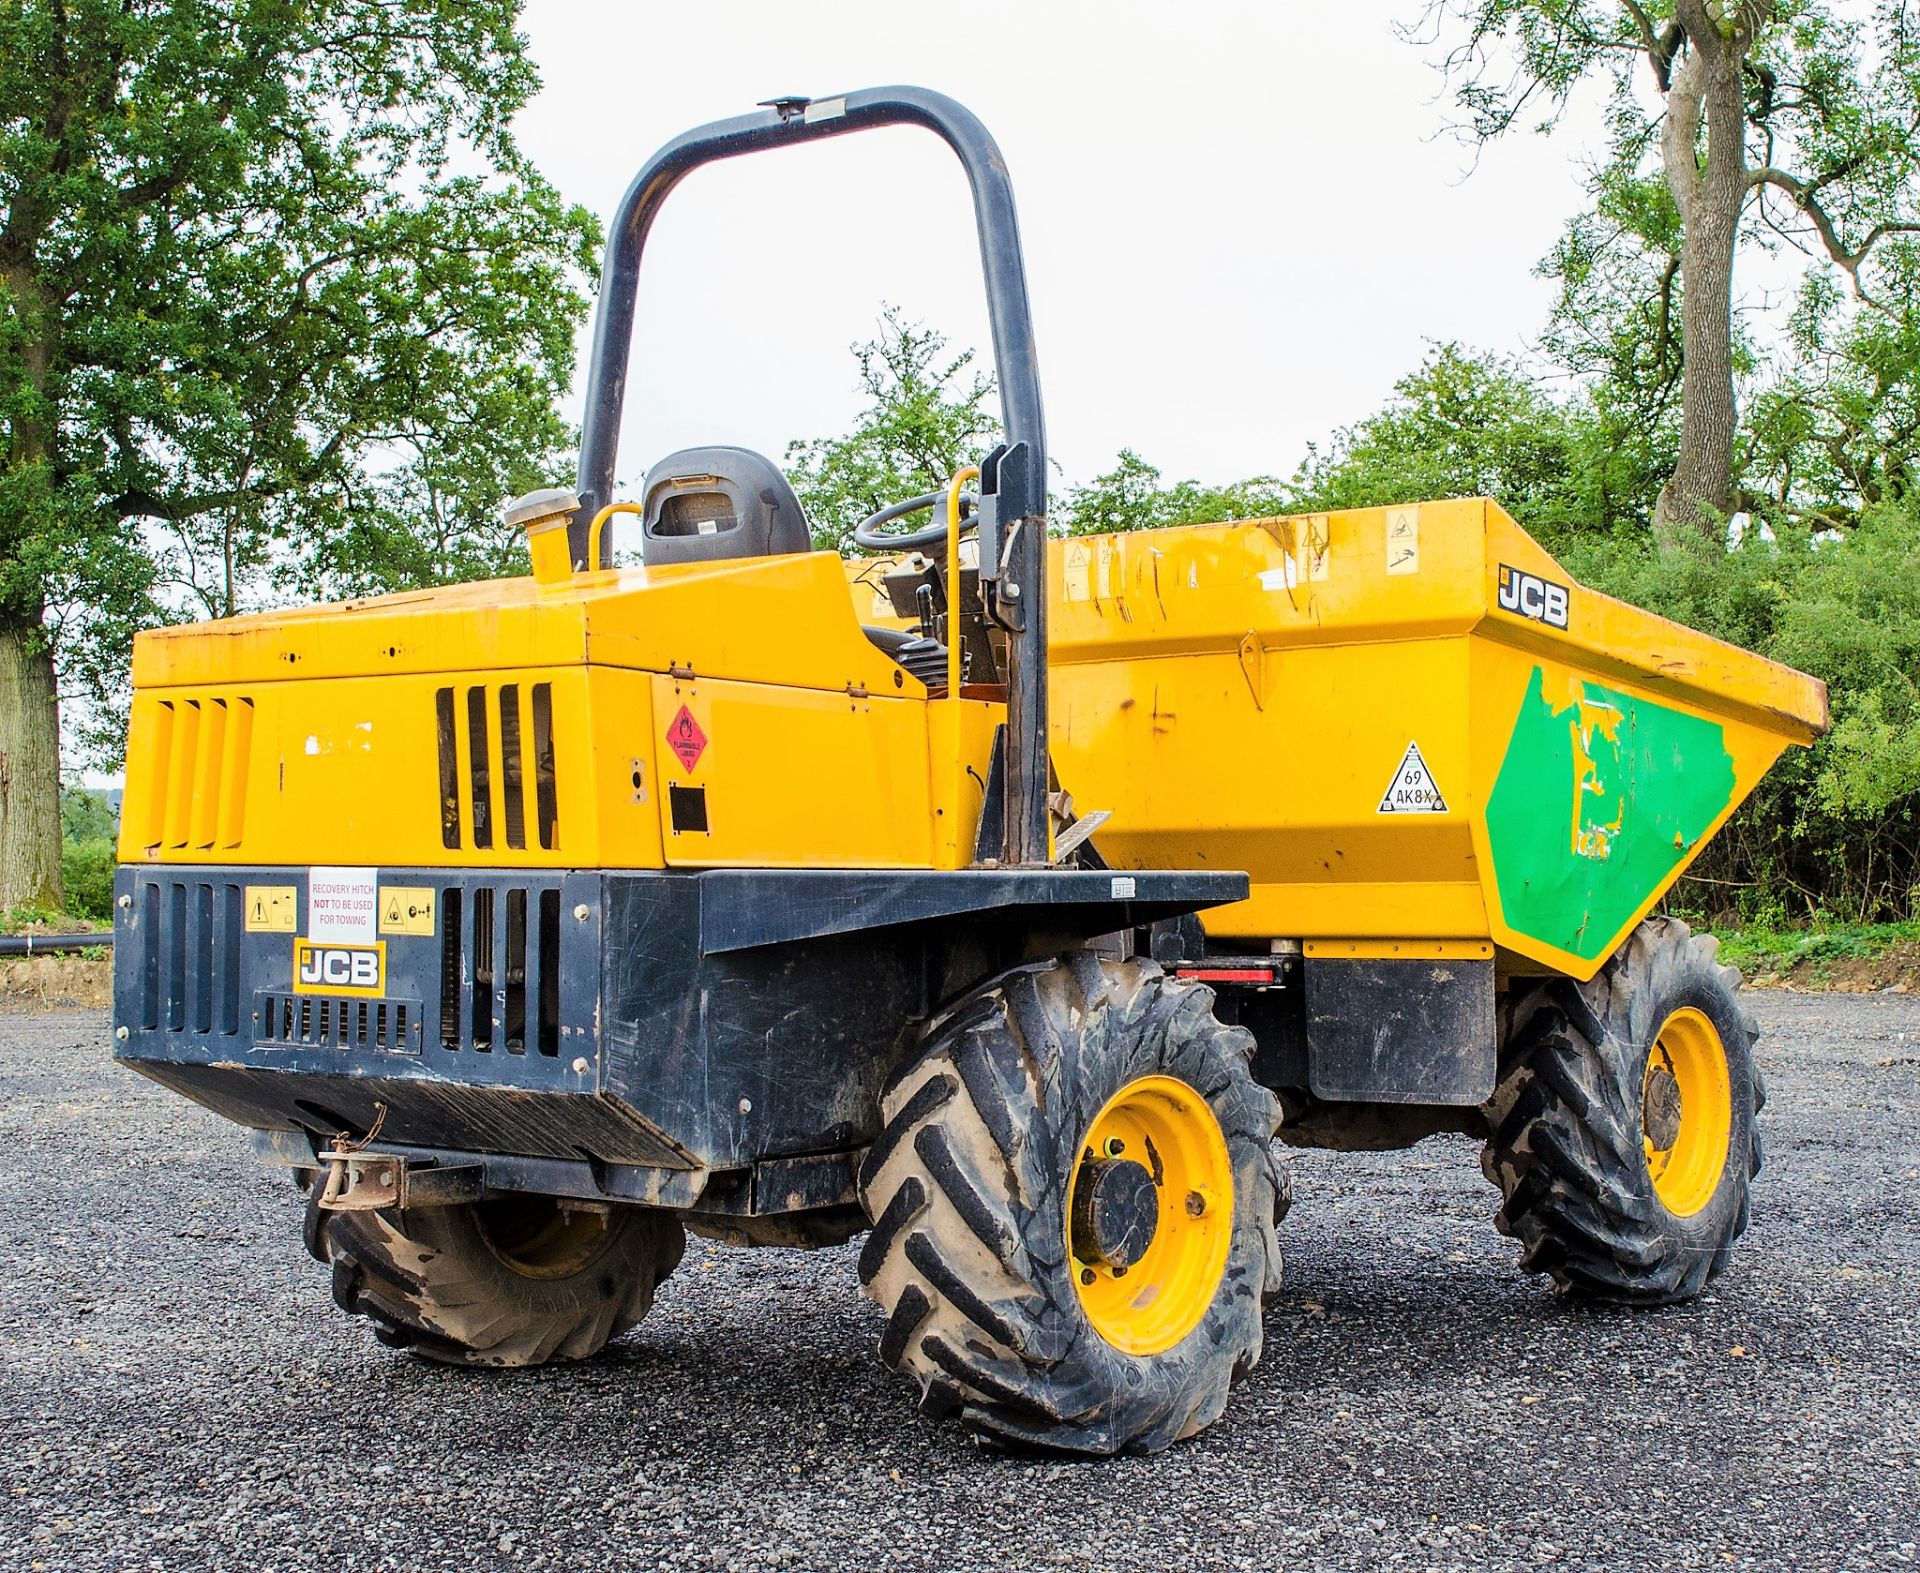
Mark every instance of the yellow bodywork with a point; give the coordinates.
(1355, 708)
(316, 736)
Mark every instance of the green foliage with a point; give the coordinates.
(1835, 427)
(87, 815)
(1825, 144)
(1459, 425)
(1835, 828)
(88, 833)
(1130, 497)
(926, 417)
(88, 858)
(86, 872)
(1462, 425)
(1763, 949)
(283, 308)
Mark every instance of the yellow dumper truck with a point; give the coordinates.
(997, 897)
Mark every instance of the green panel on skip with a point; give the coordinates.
(1600, 796)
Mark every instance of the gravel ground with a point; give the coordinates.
(178, 1391)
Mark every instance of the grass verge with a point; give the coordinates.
(1826, 955)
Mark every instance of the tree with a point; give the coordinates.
(1130, 497)
(1462, 425)
(282, 308)
(1777, 122)
(926, 416)
(1837, 432)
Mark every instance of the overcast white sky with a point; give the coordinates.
(1240, 224)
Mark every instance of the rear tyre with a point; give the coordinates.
(1073, 1201)
(515, 1281)
(1623, 1128)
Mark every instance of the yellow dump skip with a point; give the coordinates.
(1402, 722)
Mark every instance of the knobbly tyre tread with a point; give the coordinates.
(967, 1190)
(1565, 1145)
(431, 1284)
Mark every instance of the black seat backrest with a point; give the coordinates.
(706, 504)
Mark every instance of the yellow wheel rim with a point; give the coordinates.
(1686, 1112)
(538, 1238)
(1150, 1215)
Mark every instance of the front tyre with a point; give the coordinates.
(1623, 1129)
(1073, 1202)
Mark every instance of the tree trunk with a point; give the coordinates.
(1698, 497)
(29, 770)
(29, 699)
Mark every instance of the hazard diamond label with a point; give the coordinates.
(1413, 789)
(686, 739)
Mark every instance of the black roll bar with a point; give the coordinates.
(1013, 486)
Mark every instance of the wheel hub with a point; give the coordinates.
(1116, 1211)
(1660, 1107)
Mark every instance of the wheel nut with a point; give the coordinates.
(1196, 1204)
(1086, 1275)
(1115, 1146)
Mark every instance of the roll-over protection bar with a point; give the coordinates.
(1013, 477)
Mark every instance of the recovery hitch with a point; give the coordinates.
(357, 1180)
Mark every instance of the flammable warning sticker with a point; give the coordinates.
(686, 739)
(1413, 789)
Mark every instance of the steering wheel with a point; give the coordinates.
(868, 533)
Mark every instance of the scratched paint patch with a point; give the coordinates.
(1600, 797)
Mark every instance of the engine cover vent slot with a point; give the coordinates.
(486, 766)
(197, 799)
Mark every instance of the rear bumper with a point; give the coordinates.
(648, 1030)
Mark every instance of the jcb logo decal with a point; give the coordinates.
(338, 969)
(1531, 596)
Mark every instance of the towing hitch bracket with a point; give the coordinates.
(360, 1182)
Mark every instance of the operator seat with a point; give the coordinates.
(712, 504)
(709, 504)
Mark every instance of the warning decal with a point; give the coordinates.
(270, 909)
(1413, 790)
(340, 906)
(686, 739)
(1403, 541)
(406, 909)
